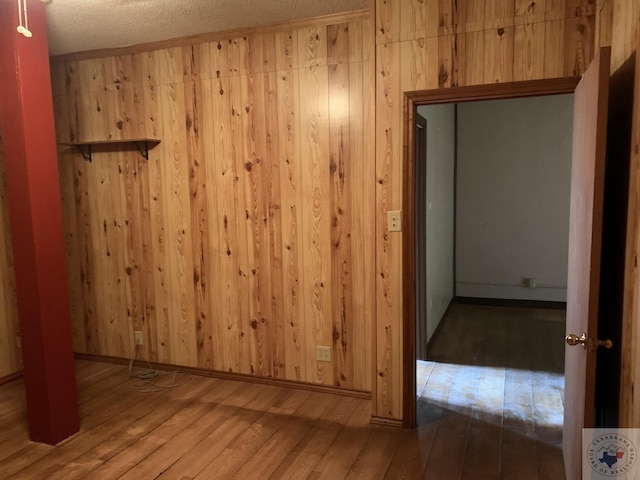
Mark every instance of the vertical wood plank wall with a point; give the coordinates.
(625, 41)
(10, 353)
(256, 229)
(430, 44)
(246, 239)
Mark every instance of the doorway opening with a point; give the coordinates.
(437, 97)
(592, 304)
(492, 196)
(412, 307)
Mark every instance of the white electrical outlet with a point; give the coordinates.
(323, 354)
(137, 335)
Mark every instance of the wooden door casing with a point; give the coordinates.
(432, 97)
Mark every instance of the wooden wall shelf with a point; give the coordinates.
(142, 144)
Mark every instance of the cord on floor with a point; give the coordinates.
(150, 378)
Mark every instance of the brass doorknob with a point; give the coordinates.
(605, 343)
(573, 340)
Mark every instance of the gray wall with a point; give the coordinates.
(440, 210)
(513, 181)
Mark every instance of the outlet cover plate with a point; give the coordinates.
(323, 354)
(137, 335)
(394, 220)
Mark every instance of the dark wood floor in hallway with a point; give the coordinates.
(485, 413)
(493, 388)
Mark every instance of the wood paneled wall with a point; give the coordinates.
(430, 44)
(256, 229)
(10, 353)
(625, 41)
(246, 239)
(624, 18)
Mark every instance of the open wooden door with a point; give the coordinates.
(585, 241)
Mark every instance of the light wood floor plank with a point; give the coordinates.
(95, 410)
(68, 452)
(243, 448)
(449, 446)
(94, 458)
(413, 453)
(235, 422)
(299, 463)
(338, 459)
(487, 409)
(272, 453)
(201, 455)
(119, 415)
(190, 410)
(376, 455)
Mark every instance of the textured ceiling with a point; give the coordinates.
(80, 25)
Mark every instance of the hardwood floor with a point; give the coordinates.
(476, 422)
(494, 376)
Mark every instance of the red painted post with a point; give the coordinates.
(31, 168)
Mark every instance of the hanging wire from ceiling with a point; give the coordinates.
(23, 28)
(22, 12)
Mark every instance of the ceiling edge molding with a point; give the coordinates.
(331, 19)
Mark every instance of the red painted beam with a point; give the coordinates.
(35, 211)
